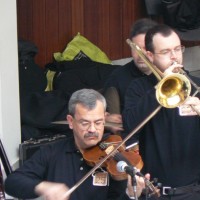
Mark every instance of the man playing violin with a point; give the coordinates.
(56, 168)
(169, 142)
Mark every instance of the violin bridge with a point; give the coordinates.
(109, 149)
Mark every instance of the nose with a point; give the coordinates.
(173, 54)
(92, 128)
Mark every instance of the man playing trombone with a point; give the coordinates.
(169, 141)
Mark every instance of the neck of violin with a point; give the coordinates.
(119, 157)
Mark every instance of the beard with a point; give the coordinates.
(142, 67)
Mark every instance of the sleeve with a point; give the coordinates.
(21, 183)
(140, 102)
(117, 190)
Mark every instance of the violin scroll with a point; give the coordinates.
(150, 189)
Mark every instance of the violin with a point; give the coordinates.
(95, 154)
(109, 153)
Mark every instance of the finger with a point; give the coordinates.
(147, 176)
(192, 101)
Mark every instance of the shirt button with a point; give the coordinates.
(81, 168)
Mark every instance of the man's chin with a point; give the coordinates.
(143, 68)
(91, 141)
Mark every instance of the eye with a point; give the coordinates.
(165, 52)
(84, 123)
(178, 49)
(98, 123)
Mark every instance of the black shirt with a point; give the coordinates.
(62, 163)
(169, 143)
(121, 77)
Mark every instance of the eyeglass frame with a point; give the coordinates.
(167, 52)
(85, 125)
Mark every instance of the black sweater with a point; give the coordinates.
(121, 77)
(169, 143)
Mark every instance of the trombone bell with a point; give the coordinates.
(173, 90)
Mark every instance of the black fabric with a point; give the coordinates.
(154, 7)
(61, 162)
(26, 49)
(182, 14)
(169, 143)
(78, 74)
(180, 190)
(39, 110)
(31, 76)
(120, 79)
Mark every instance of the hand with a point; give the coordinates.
(52, 191)
(192, 101)
(115, 118)
(140, 185)
(190, 107)
(114, 122)
(174, 68)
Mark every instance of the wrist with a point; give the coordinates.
(39, 188)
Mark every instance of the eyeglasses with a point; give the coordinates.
(168, 52)
(85, 125)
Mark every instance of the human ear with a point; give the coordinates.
(149, 55)
(70, 121)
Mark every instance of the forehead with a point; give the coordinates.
(82, 112)
(166, 42)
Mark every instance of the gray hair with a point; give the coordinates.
(86, 97)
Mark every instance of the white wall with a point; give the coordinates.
(10, 134)
(192, 58)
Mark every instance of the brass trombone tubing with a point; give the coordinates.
(193, 107)
(192, 82)
(156, 71)
(195, 86)
(159, 75)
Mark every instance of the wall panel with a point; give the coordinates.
(64, 24)
(51, 24)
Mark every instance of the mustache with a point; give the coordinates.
(91, 134)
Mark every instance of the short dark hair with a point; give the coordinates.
(86, 97)
(162, 29)
(141, 26)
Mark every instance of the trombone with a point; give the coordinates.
(173, 89)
